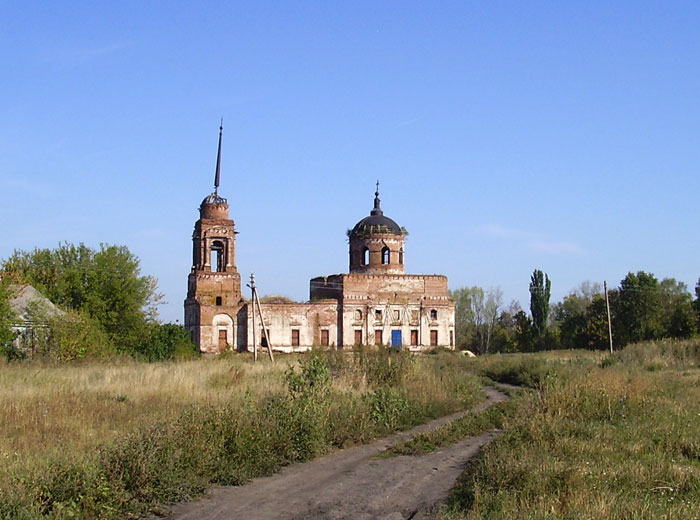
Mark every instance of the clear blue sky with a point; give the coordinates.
(507, 136)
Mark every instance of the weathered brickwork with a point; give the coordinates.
(376, 303)
(411, 311)
(215, 312)
(297, 326)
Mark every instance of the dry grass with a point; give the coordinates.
(616, 441)
(82, 406)
(110, 441)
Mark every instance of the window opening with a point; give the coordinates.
(217, 256)
(218, 301)
(378, 315)
(397, 315)
(378, 337)
(295, 337)
(385, 255)
(433, 314)
(358, 337)
(365, 256)
(433, 338)
(401, 256)
(324, 337)
(358, 315)
(414, 337)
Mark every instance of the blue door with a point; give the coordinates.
(396, 338)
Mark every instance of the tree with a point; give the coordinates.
(505, 329)
(494, 300)
(166, 341)
(677, 307)
(476, 314)
(571, 315)
(596, 333)
(696, 305)
(106, 285)
(7, 335)
(525, 339)
(465, 328)
(66, 335)
(640, 316)
(540, 288)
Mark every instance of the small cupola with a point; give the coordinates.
(377, 243)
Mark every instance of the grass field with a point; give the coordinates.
(614, 437)
(590, 436)
(113, 441)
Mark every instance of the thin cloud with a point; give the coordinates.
(86, 54)
(557, 248)
(407, 122)
(496, 231)
(151, 233)
(533, 241)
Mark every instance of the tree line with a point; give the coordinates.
(106, 306)
(641, 308)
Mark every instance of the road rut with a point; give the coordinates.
(351, 483)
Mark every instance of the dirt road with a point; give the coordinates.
(349, 484)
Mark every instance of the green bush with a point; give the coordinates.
(178, 459)
(517, 370)
(166, 341)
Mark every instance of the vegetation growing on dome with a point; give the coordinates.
(276, 298)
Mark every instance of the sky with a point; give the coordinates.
(506, 136)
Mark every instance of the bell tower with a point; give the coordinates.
(214, 284)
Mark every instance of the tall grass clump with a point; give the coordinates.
(616, 441)
(168, 431)
(662, 353)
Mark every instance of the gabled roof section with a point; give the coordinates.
(25, 298)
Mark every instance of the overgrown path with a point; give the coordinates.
(351, 483)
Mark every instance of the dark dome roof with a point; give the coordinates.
(214, 199)
(376, 223)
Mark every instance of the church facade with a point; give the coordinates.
(375, 303)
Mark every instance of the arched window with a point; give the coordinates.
(385, 255)
(401, 256)
(433, 314)
(365, 256)
(218, 262)
(358, 315)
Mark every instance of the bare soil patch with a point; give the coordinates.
(351, 483)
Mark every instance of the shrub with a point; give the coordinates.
(166, 341)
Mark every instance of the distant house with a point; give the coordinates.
(31, 308)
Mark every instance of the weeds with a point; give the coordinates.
(166, 432)
(594, 440)
(495, 416)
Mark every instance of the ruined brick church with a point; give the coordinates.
(376, 303)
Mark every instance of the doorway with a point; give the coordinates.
(223, 339)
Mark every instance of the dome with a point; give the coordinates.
(376, 223)
(213, 207)
(213, 199)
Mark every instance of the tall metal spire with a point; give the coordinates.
(218, 159)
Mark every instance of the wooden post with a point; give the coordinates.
(607, 306)
(252, 302)
(262, 322)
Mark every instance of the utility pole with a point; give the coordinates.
(607, 306)
(255, 301)
(252, 300)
